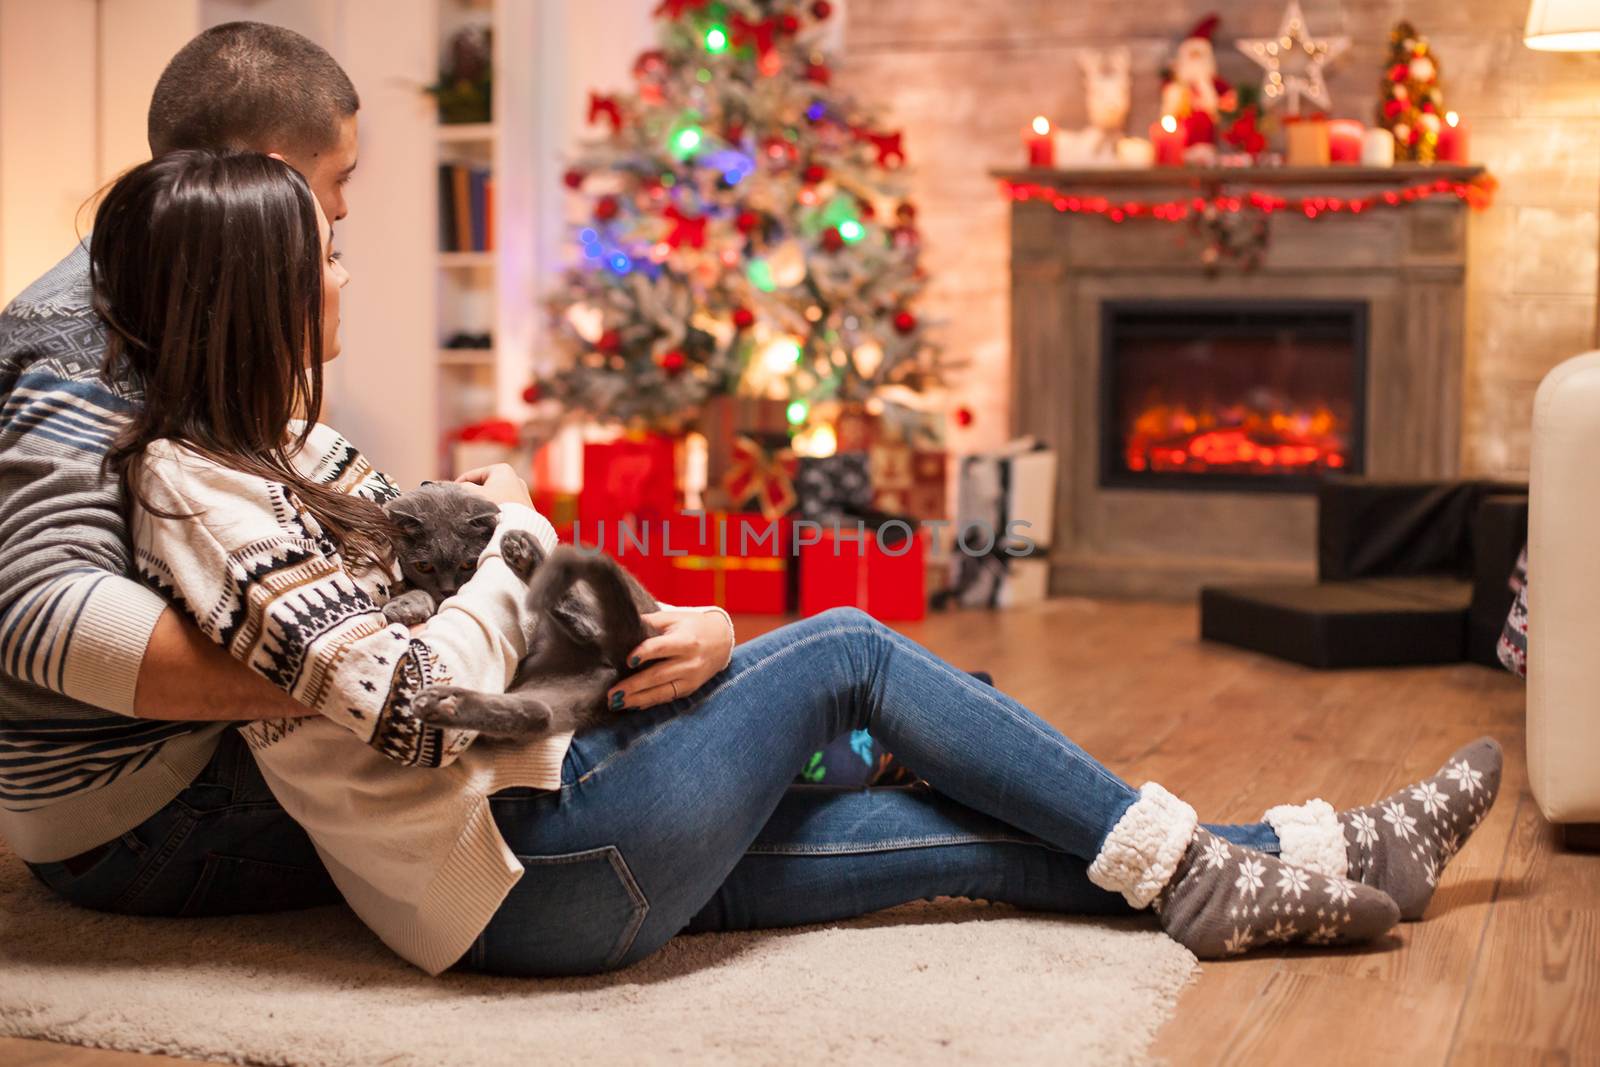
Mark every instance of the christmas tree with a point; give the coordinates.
(744, 231)
(1411, 101)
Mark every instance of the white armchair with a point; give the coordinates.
(1564, 598)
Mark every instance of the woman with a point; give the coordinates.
(570, 855)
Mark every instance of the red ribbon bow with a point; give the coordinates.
(767, 478)
(759, 34)
(607, 106)
(686, 229)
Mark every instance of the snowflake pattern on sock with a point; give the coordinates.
(1403, 843)
(1224, 900)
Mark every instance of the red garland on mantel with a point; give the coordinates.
(1477, 194)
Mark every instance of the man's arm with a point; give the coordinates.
(184, 675)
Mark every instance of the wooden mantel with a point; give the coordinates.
(1400, 174)
(1406, 265)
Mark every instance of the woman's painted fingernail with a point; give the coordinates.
(617, 699)
(633, 661)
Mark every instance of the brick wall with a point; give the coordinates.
(963, 76)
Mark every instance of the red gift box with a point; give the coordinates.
(634, 475)
(736, 561)
(847, 570)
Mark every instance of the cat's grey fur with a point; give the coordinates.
(588, 611)
(443, 528)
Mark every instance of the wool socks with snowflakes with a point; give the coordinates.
(1218, 899)
(1402, 843)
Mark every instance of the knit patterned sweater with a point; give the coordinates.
(76, 769)
(398, 810)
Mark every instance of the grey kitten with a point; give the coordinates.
(588, 611)
(443, 529)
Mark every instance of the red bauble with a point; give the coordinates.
(866, 209)
(906, 212)
(735, 132)
(905, 322)
(743, 318)
(788, 24)
(963, 416)
(1392, 108)
(530, 395)
(605, 209)
(831, 240)
(1399, 72)
(747, 221)
(814, 173)
(1427, 107)
(609, 341)
(821, 9)
(672, 362)
(818, 73)
(573, 178)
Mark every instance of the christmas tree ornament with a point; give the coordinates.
(905, 322)
(530, 395)
(673, 361)
(743, 318)
(606, 208)
(1293, 61)
(821, 9)
(964, 417)
(573, 179)
(832, 240)
(605, 107)
(609, 341)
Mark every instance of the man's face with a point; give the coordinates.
(327, 171)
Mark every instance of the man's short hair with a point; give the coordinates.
(250, 85)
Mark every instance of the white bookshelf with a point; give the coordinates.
(489, 292)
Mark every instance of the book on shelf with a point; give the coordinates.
(466, 209)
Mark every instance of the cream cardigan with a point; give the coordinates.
(397, 809)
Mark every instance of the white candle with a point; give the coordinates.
(1377, 148)
(1136, 152)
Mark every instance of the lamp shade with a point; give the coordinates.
(1563, 26)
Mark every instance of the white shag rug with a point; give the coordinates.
(941, 982)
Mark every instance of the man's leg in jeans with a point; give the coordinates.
(223, 846)
(829, 854)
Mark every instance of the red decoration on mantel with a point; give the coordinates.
(1477, 194)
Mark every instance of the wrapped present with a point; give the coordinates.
(833, 487)
(1005, 518)
(855, 430)
(928, 494)
(724, 419)
(737, 561)
(483, 444)
(633, 475)
(557, 506)
(761, 479)
(889, 470)
(874, 571)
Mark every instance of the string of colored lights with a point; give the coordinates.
(1476, 193)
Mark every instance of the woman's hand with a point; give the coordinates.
(498, 483)
(692, 646)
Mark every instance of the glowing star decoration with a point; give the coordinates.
(1293, 61)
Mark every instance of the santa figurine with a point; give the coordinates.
(1192, 93)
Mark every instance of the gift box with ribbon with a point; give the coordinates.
(833, 487)
(636, 475)
(855, 430)
(881, 572)
(761, 479)
(929, 486)
(724, 419)
(483, 444)
(737, 561)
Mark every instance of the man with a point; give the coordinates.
(116, 785)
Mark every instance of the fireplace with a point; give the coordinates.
(1192, 405)
(1231, 395)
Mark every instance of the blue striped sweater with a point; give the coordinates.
(75, 768)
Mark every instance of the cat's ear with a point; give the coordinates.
(400, 513)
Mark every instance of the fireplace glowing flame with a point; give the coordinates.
(1235, 440)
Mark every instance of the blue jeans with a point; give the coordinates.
(222, 847)
(685, 818)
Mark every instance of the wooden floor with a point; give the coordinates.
(1505, 969)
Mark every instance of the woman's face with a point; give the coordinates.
(334, 278)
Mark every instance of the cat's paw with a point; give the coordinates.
(438, 705)
(409, 608)
(521, 552)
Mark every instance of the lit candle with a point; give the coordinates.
(1344, 141)
(1452, 146)
(1377, 148)
(1168, 139)
(1041, 146)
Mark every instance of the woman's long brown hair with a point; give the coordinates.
(207, 269)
